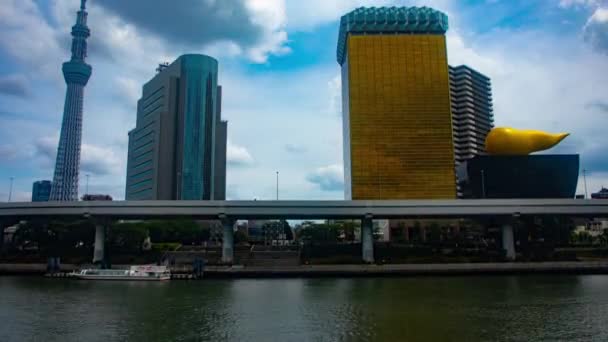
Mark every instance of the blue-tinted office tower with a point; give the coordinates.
(177, 150)
(41, 191)
(76, 73)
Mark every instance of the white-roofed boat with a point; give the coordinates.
(140, 272)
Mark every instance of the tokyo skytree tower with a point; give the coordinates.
(76, 73)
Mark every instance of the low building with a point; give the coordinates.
(255, 230)
(268, 232)
(526, 176)
(408, 230)
(96, 197)
(382, 230)
(602, 194)
(41, 191)
(597, 227)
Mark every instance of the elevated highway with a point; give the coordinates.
(302, 209)
(230, 211)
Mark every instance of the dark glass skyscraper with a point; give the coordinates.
(76, 73)
(177, 150)
(41, 191)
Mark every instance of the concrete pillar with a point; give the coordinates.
(367, 240)
(53, 264)
(100, 244)
(423, 234)
(1, 236)
(228, 241)
(508, 242)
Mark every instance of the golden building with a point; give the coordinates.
(396, 104)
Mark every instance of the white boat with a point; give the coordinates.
(142, 272)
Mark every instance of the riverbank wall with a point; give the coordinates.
(580, 267)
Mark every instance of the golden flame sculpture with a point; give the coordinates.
(512, 141)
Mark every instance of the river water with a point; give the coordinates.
(492, 308)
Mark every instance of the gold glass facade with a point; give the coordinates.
(397, 119)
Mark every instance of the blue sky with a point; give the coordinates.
(548, 60)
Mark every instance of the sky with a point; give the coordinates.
(548, 61)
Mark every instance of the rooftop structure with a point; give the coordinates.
(602, 194)
(378, 20)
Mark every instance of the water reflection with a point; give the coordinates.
(529, 308)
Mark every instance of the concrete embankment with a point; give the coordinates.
(582, 267)
(595, 267)
(25, 269)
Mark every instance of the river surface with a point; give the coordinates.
(491, 308)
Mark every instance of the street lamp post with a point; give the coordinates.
(177, 183)
(483, 184)
(277, 185)
(10, 189)
(585, 181)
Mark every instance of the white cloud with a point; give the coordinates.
(308, 14)
(335, 95)
(595, 182)
(600, 15)
(596, 30)
(129, 89)
(9, 152)
(28, 38)
(16, 196)
(252, 28)
(14, 85)
(271, 15)
(461, 53)
(293, 148)
(571, 3)
(328, 178)
(238, 155)
(100, 161)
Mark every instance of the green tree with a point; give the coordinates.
(127, 237)
(184, 231)
(320, 233)
(56, 238)
(287, 230)
(240, 237)
(349, 229)
(434, 234)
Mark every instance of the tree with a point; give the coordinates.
(184, 231)
(57, 237)
(434, 233)
(287, 231)
(320, 233)
(348, 229)
(582, 238)
(128, 237)
(240, 237)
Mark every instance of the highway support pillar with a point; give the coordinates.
(2, 236)
(99, 250)
(228, 240)
(367, 239)
(508, 241)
